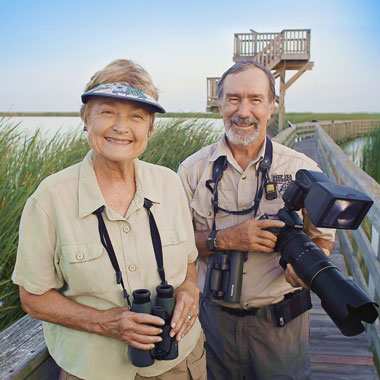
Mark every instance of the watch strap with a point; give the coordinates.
(211, 241)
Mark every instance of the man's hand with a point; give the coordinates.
(292, 278)
(247, 236)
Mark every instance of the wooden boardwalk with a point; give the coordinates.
(334, 356)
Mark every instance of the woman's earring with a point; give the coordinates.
(85, 128)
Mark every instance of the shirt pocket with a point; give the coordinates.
(175, 254)
(86, 268)
(203, 215)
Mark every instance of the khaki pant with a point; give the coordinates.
(193, 367)
(253, 347)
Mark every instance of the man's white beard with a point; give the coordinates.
(240, 137)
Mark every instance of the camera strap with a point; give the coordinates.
(107, 244)
(220, 165)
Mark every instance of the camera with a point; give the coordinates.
(167, 349)
(328, 205)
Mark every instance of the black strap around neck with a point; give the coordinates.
(107, 244)
(106, 241)
(156, 241)
(220, 165)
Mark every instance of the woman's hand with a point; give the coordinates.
(187, 304)
(132, 328)
(120, 323)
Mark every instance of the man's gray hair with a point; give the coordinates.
(244, 65)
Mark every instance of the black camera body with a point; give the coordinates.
(328, 205)
(167, 349)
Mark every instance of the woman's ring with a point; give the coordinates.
(188, 317)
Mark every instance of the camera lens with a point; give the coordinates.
(345, 303)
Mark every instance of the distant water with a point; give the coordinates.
(50, 125)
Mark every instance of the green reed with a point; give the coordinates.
(371, 155)
(26, 161)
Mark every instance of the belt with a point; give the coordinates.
(241, 312)
(293, 305)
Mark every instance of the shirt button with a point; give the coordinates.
(80, 256)
(209, 213)
(244, 177)
(126, 229)
(246, 304)
(132, 267)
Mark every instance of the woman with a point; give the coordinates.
(80, 215)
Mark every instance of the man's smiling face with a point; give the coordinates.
(245, 107)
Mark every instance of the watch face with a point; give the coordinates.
(211, 242)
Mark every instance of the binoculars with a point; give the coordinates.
(167, 349)
(224, 279)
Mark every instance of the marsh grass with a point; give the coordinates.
(177, 139)
(26, 161)
(371, 155)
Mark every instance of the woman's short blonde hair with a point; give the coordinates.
(121, 70)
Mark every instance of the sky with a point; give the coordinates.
(50, 49)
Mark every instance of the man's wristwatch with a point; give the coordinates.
(211, 241)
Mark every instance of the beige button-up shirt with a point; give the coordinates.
(60, 248)
(263, 278)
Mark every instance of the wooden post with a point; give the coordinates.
(281, 103)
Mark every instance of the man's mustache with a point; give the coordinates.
(243, 121)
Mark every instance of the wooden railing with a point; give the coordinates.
(361, 247)
(267, 48)
(343, 130)
(295, 42)
(212, 92)
(249, 44)
(295, 133)
(23, 352)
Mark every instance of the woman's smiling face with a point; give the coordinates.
(117, 130)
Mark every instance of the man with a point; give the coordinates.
(243, 338)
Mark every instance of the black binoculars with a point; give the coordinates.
(167, 349)
(224, 279)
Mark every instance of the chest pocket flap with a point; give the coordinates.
(81, 252)
(171, 236)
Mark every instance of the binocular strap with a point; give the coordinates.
(107, 244)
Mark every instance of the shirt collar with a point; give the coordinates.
(223, 149)
(91, 197)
